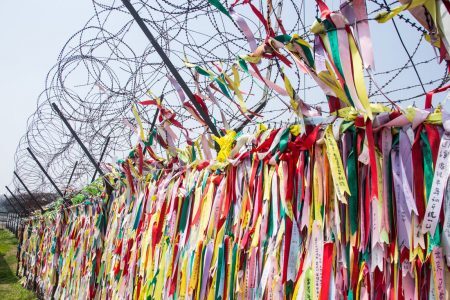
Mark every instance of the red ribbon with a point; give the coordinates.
(429, 95)
(373, 162)
(417, 156)
(260, 16)
(324, 10)
(326, 270)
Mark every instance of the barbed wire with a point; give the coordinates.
(108, 66)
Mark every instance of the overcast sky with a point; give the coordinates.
(32, 34)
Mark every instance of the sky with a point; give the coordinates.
(32, 38)
(32, 34)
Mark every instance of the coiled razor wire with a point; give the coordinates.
(108, 66)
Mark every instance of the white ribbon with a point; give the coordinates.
(440, 178)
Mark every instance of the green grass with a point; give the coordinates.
(10, 287)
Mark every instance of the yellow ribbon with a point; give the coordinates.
(226, 145)
(387, 15)
(337, 169)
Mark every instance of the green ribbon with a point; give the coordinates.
(353, 184)
(435, 240)
(222, 86)
(427, 165)
(150, 138)
(219, 273)
(220, 7)
(271, 217)
(202, 71)
(243, 65)
(100, 274)
(284, 140)
(283, 38)
(350, 295)
(138, 216)
(308, 53)
(184, 213)
(233, 269)
(334, 45)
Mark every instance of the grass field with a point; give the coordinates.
(9, 286)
